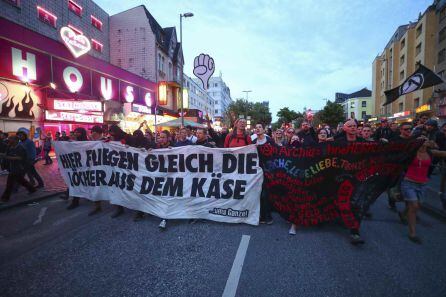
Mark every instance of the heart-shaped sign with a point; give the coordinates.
(77, 44)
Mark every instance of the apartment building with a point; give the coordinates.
(411, 44)
(197, 98)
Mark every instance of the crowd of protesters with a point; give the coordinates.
(18, 155)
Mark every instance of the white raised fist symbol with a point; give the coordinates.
(204, 67)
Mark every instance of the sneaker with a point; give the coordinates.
(162, 225)
(292, 230)
(262, 221)
(356, 239)
(193, 221)
(119, 211)
(269, 221)
(95, 211)
(415, 239)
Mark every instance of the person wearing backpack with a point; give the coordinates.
(239, 136)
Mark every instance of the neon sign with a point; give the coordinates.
(77, 44)
(73, 79)
(129, 97)
(140, 109)
(74, 117)
(77, 105)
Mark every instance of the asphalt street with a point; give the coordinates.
(46, 250)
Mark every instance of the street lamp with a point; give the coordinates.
(247, 92)
(184, 15)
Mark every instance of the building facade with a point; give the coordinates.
(440, 91)
(46, 17)
(221, 94)
(410, 45)
(358, 105)
(54, 77)
(140, 45)
(195, 97)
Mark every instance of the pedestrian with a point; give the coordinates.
(419, 126)
(57, 136)
(163, 140)
(291, 139)
(80, 134)
(239, 136)
(367, 133)
(383, 133)
(349, 137)
(15, 157)
(202, 138)
(47, 145)
(265, 205)
(183, 139)
(307, 135)
(30, 148)
(278, 137)
(414, 184)
(3, 149)
(64, 136)
(190, 136)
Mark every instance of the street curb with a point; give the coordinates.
(31, 200)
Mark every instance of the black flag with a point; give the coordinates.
(422, 78)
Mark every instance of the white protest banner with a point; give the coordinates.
(190, 182)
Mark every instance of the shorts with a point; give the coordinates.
(412, 191)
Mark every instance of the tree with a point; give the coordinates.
(332, 114)
(258, 112)
(285, 115)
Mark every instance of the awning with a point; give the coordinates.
(177, 123)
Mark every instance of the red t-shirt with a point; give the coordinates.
(418, 170)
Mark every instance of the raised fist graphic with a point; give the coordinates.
(204, 67)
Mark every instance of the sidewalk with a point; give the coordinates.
(431, 201)
(54, 185)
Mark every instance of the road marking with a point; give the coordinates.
(40, 216)
(67, 218)
(236, 270)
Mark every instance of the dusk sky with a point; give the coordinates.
(292, 53)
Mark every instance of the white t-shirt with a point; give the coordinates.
(192, 138)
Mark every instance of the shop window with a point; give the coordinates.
(95, 22)
(418, 49)
(74, 7)
(46, 16)
(416, 102)
(97, 46)
(15, 3)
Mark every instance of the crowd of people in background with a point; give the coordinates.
(18, 155)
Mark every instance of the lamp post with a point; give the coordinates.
(184, 15)
(247, 92)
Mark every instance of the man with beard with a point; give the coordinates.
(307, 135)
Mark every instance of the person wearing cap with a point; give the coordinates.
(383, 133)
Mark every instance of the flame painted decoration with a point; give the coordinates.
(22, 109)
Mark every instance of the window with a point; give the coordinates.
(216, 111)
(403, 43)
(402, 60)
(364, 104)
(162, 64)
(46, 17)
(95, 22)
(416, 102)
(363, 114)
(419, 30)
(442, 14)
(170, 70)
(442, 35)
(97, 46)
(441, 56)
(74, 7)
(215, 85)
(418, 49)
(400, 107)
(402, 75)
(79, 32)
(119, 63)
(131, 62)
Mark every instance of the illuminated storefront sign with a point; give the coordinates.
(77, 105)
(422, 108)
(74, 117)
(141, 109)
(20, 63)
(401, 114)
(78, 44)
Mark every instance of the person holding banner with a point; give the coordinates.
(238, 137)
(202, 138)
(414, 184)
(80, 134)
(182, 138)
(307, 135)
(163, 140)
